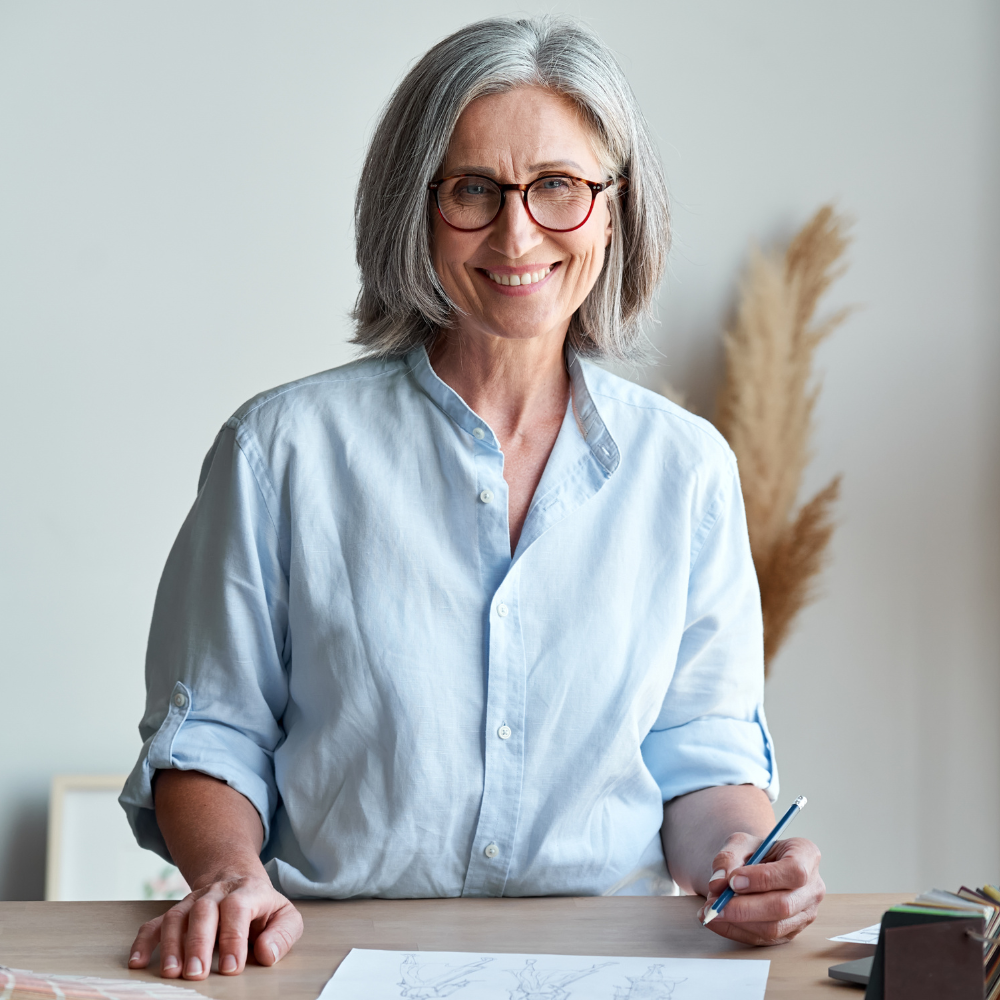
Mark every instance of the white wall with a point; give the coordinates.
(175, 235)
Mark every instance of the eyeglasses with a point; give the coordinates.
(556, 202)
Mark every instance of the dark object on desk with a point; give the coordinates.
(856, 972)
(927, 956)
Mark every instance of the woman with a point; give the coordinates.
(471, 616)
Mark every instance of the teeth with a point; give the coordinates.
(524, 279)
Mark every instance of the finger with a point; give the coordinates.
(769, 906)
(718, 880)
(172, 927)
(792, 869)
(283, 929)
(199, 941)
(235, 914)
(145, 942)
(764, 932)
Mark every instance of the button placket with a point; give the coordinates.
(503, 669)
(504, 747)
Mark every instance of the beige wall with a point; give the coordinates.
(175, 235)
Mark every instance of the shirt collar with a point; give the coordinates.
(602, 445)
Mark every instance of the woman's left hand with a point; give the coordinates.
(775, 899)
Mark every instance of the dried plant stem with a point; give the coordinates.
(795, 560)
(765, 410)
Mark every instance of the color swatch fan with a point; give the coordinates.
(20, 984)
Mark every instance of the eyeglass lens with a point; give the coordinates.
(554, 202)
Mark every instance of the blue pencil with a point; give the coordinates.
(755, 859)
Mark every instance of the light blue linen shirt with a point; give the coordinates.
(342, 635)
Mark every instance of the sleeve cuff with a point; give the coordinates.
(711, 751)
(188, 744)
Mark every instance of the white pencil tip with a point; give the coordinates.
(709, 917)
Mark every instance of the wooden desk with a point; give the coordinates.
(93, 938)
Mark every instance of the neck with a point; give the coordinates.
(512, 384)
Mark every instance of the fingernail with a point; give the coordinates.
(719, 873)
(738, 882)
(170, 963)
(194, 967)
(701, 913)
(136, 956)
(274, 951)
(228, 964)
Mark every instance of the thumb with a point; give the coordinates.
(283, 929)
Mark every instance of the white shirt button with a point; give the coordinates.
(491, 850)
(504, 732)
(478, 433)
(502, 610)
(180, 699)
(486, 496)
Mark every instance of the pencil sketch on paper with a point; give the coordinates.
(368, 974)
(651, 986)
(433, 980)
(532, 984)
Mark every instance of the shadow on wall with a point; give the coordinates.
(22, 870)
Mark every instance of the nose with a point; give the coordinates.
(513, 233)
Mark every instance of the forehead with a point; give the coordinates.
(525, 128)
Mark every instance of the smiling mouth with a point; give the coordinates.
(528, 278)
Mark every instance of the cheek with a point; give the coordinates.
(588, 259)
(441, 249)
(594, 239)
(448, 255)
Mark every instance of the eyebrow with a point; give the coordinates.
(554, 164)
(532, 168)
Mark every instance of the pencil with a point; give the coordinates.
(755, 859)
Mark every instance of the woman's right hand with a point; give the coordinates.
(214, 835)
(238, 910)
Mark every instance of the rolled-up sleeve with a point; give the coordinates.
(711, 728)
(216, 662)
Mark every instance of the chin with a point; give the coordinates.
(511, 326)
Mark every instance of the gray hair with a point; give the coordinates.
(402, 302)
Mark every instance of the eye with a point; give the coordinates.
(556, 183)
(472, 188)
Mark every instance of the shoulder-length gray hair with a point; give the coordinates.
(402, 303)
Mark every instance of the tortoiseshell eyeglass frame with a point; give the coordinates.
(596, 187)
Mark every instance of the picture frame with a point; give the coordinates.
(91, 852)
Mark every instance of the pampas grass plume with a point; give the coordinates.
(765, 411)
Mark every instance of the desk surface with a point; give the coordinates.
(93, 938)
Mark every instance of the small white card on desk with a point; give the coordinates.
(430, 975)
(867, 935)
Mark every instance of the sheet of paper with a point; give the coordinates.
(867, 935)
(430, 975)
